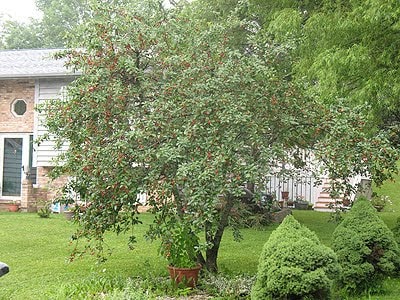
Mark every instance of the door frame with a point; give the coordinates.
(24, 162)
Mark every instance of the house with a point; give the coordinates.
(305, 187)
(27, 78)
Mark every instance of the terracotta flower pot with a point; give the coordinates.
(188, 276)
(13, 207)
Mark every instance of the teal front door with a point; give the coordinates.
(12, 164)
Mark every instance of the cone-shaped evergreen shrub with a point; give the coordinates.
(294, 265)
(366, 249)
(396, 232)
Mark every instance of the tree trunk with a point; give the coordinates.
(212, 253)
(211, 259)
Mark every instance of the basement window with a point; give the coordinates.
(18, 107)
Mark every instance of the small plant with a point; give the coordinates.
(301, 203)
(366, 249)
(380, 201)
(255, 215)
(96, 286)
(294, 265)
(44, 208)
(44, 212)
(179, 246)
(258, 220)
(228, 287)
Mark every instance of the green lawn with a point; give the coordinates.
(37, 250)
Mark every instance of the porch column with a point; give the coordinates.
(28, 203)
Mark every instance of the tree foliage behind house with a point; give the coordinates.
(345, 49)
(59, 18)
(168, 105)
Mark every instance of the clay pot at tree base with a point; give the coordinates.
(188, 276)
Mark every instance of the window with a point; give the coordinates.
(12, 161)
(18, 107)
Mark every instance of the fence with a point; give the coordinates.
(298, 187)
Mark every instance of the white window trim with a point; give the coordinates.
(13, 105)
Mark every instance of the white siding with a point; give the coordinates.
(46, 89)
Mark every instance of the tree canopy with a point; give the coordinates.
(168, 105)
(345, 49)
(16, 35)
(59, 18)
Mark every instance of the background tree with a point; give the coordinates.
(168, 105)
(346, 50)
(59, 18)
(17, 35)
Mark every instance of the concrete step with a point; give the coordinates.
(327, 198)
(324, 209)
(322, 204)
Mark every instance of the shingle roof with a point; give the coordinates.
(31, 63)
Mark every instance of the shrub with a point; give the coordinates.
(44, 212)
(294, 265)
(396, 231)
(366, 249)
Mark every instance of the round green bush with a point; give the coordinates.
(294, 265)
(366, 249)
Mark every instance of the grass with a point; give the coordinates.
(392, 189)
(37, 252)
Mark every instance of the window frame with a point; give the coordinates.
(15, 114)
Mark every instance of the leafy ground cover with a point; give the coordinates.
(37, 252)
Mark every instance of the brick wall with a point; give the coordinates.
(48, 189)
(10, 90)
